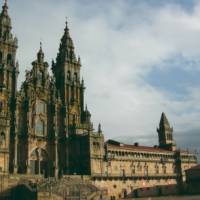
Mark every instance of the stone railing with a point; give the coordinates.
(134, 176)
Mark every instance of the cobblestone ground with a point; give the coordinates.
(170, 198)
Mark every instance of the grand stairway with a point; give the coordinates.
(70, 188)
(66, 188)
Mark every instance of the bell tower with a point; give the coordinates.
(66, 71)
(74, 118)
(165, 134)
(8, 85)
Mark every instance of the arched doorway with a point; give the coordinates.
(39, 162)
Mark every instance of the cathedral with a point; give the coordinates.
(44, 126)
(46, 129)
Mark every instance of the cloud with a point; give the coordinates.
(121, 44)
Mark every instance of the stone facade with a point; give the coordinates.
(8, 84)
(46, 129)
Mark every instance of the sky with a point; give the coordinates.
(139, 58)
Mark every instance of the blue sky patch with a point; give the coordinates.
(175, 76)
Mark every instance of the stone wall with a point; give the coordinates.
(120, 188)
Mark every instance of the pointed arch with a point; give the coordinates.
(9, 58)
(68, 75)
(39, 161)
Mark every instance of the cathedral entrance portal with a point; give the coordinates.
(39, 162)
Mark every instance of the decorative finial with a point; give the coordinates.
(40, 54)
(5, 7)
(66, 26)
(79, 60)
(17, 66)
(82, 81)
(99, 128)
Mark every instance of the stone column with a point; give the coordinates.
(56, 157)
(16, 139)
(56, 139)
(16, 155)
(28, 167)
(39, 160)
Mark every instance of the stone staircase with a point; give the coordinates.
(70, 188)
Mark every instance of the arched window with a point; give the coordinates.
(123, 172)
(1, 106)
(164, 169)
(139, 167)
(40, 107)
(75, 77)
(156, 168)
(40, 77)
(1, 77)
(9, 59)
(133, 170)
(39, 127)
(68, 75)
(174, 168)
(71, 55)
(146, 170)
(1, 57)
(2, 138)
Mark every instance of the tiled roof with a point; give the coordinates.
(136, 147)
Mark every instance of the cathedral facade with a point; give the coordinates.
(46, 129)
(46, 120)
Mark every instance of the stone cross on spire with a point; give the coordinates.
(66, 27)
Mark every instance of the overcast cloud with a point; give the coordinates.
(139, 58)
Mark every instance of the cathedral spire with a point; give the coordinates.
(40, 55)
(66, 50)
(164, 123)
(165, 134)
(5, 23)
(5, 8)
(4, 12)
(99, 128)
